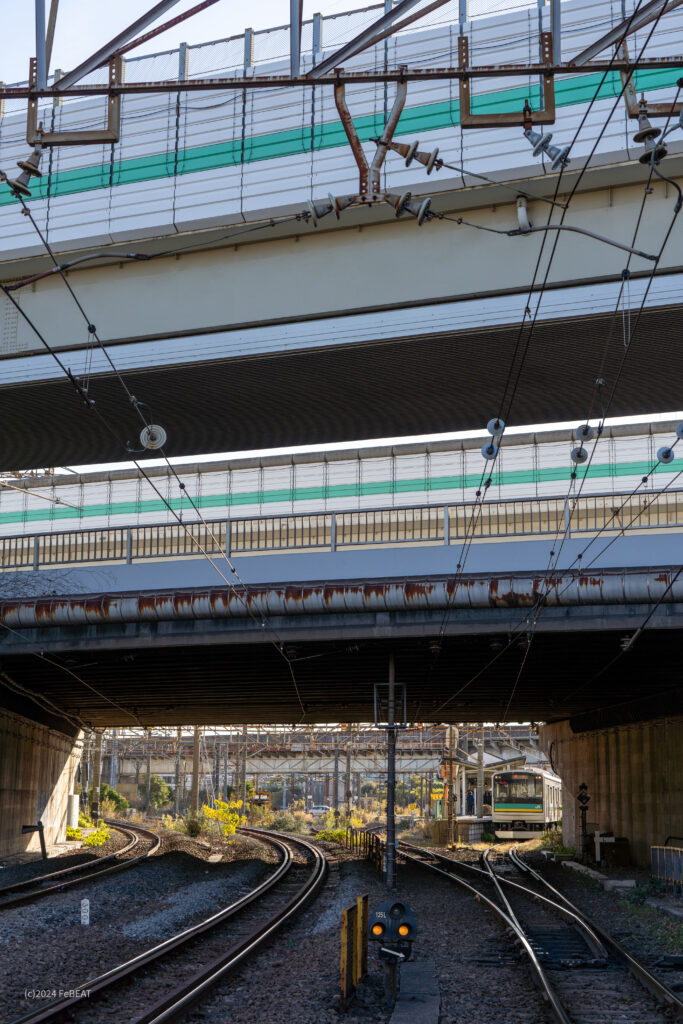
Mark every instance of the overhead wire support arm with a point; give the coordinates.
(369, 175)
(385, 26)
(105, 52)
(648, 13)
(412, 74)
(171, 23)
(524, 117)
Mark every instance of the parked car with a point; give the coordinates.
(319, 809)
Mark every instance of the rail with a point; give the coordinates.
(84, 873)
(173, 1002)
(344, 530)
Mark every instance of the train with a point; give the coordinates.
(525, 801)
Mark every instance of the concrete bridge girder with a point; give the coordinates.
(305, 348)
(347, 269)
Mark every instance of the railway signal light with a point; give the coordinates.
(394, 925)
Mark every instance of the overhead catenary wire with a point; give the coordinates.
(481, 483)
(262, 621)
(506, 405)
(523, 626)
(74, 675)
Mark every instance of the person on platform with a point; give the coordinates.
(470, 802)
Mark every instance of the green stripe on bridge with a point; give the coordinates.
(377, 487)
(328, 135)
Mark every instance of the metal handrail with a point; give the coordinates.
(329, 530)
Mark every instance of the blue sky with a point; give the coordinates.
(85, 25)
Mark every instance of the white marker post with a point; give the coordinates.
(85, 911)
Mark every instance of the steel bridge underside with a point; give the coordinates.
(343, 392)
(232, 670)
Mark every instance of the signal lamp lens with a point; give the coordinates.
(377, 929)
(404, 929)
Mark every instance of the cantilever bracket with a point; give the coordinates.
(369, 175)
(524, 117)
(633, 107)
(89, 137)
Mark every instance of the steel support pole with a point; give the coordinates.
(217, 771)
(295, 19)
(41, 62)
(335, 783)
(391, 776)
(176, 803)
(556, 29)
(347, 781)
(96, 777)
(480, 773)
(245, 737)
(148, 780)
(194, 796)
(113, 756)
(449, 783)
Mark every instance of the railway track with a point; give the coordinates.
(585, 975)
(56, 881)
(172, 976)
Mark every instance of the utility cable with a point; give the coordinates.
(504, 411)
(70, 672)
(262, 623)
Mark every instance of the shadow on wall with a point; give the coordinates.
(37, 772)
(634, 779)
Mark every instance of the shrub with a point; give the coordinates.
(488, 837)
(84, 821)
(552, 840)
(288, 821)
(99, 837)
(107, 793)
(74, 833)
(261, 817)
(226, 815)
(159, 792)
(332, 835)
(192, 825)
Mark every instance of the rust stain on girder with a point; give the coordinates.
(589, 581)
(507, 590)
(416, 590)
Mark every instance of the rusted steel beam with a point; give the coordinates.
(285, 81)
(616, 587)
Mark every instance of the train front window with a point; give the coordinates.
(515, 789)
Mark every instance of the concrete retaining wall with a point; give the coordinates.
(37, 771)
(634, 775)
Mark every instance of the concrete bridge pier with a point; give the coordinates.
(38, 767)
(634, 774)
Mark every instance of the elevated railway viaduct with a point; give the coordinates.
(238, 324)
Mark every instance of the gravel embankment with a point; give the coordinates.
(296, 979)
(46, 948)
(12, 873)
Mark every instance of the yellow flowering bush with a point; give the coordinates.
(226, 815)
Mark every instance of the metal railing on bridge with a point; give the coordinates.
(331, 531)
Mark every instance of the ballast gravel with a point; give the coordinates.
(295, 980)
(46, 949)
